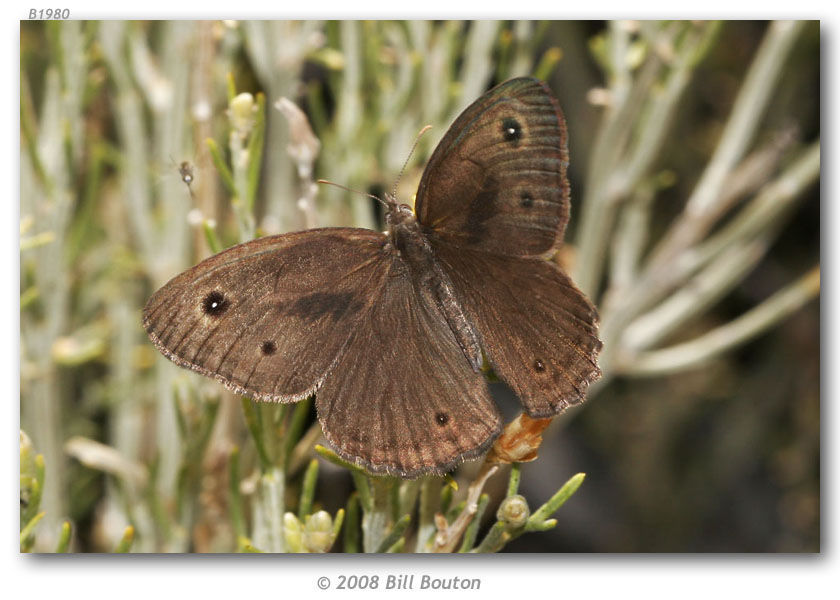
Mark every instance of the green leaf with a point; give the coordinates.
(127, 540)
(221, 167)
(548, 63)
(395, 534)
(351, 529)
(307, 492)
(256, 142)
(26, 540)
(64, 538)
(211, 237)
(231, 87)
(556, 501)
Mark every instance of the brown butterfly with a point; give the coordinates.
(389, 330)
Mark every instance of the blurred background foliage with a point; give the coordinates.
(695, 228)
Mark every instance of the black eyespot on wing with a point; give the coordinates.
(268, 348)
(539, 367)
(214, 304)
(511, 130)
(442, 418)
(526, 200)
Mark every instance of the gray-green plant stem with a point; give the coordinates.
(659, 110)
(268, 529)
(27, 531)
(303, 149)
(64, 538)
(747, 178)
(163, 245)
(695, 297)
(513, 479)
(630, 238)
(447, 539)
(472, 529)
(540, 519)
(429, 502)
(738, 133)
(616, 169)
(36, 487)
(377, 514)
(126, 542)
(612, 130)
(770, 205)
(501, 533)
(349, 105)
(239, 158)
(478, 63)
(277, 50)
(721, 339)
(725, 257)
(659, 275)
(52, 206)
(127, 424)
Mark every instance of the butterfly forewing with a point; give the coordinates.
(497, 180)
(270, 317)
(402, 399)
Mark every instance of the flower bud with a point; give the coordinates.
(242, 114)
(317, 532)
(513, 511)
(292, 533)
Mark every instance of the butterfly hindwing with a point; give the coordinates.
(540, 333)
(403, 400)
(497, 180)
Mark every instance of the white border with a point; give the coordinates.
(564, 576)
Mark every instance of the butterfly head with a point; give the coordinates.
(398, 214)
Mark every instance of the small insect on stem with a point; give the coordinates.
(186, 170)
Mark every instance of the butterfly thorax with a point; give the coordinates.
(415, 253)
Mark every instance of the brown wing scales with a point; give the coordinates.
(539, 331)
(257, 316)
(497, 180)
(402, 399)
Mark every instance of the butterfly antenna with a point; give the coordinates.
(347, 189)
(407, 158)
